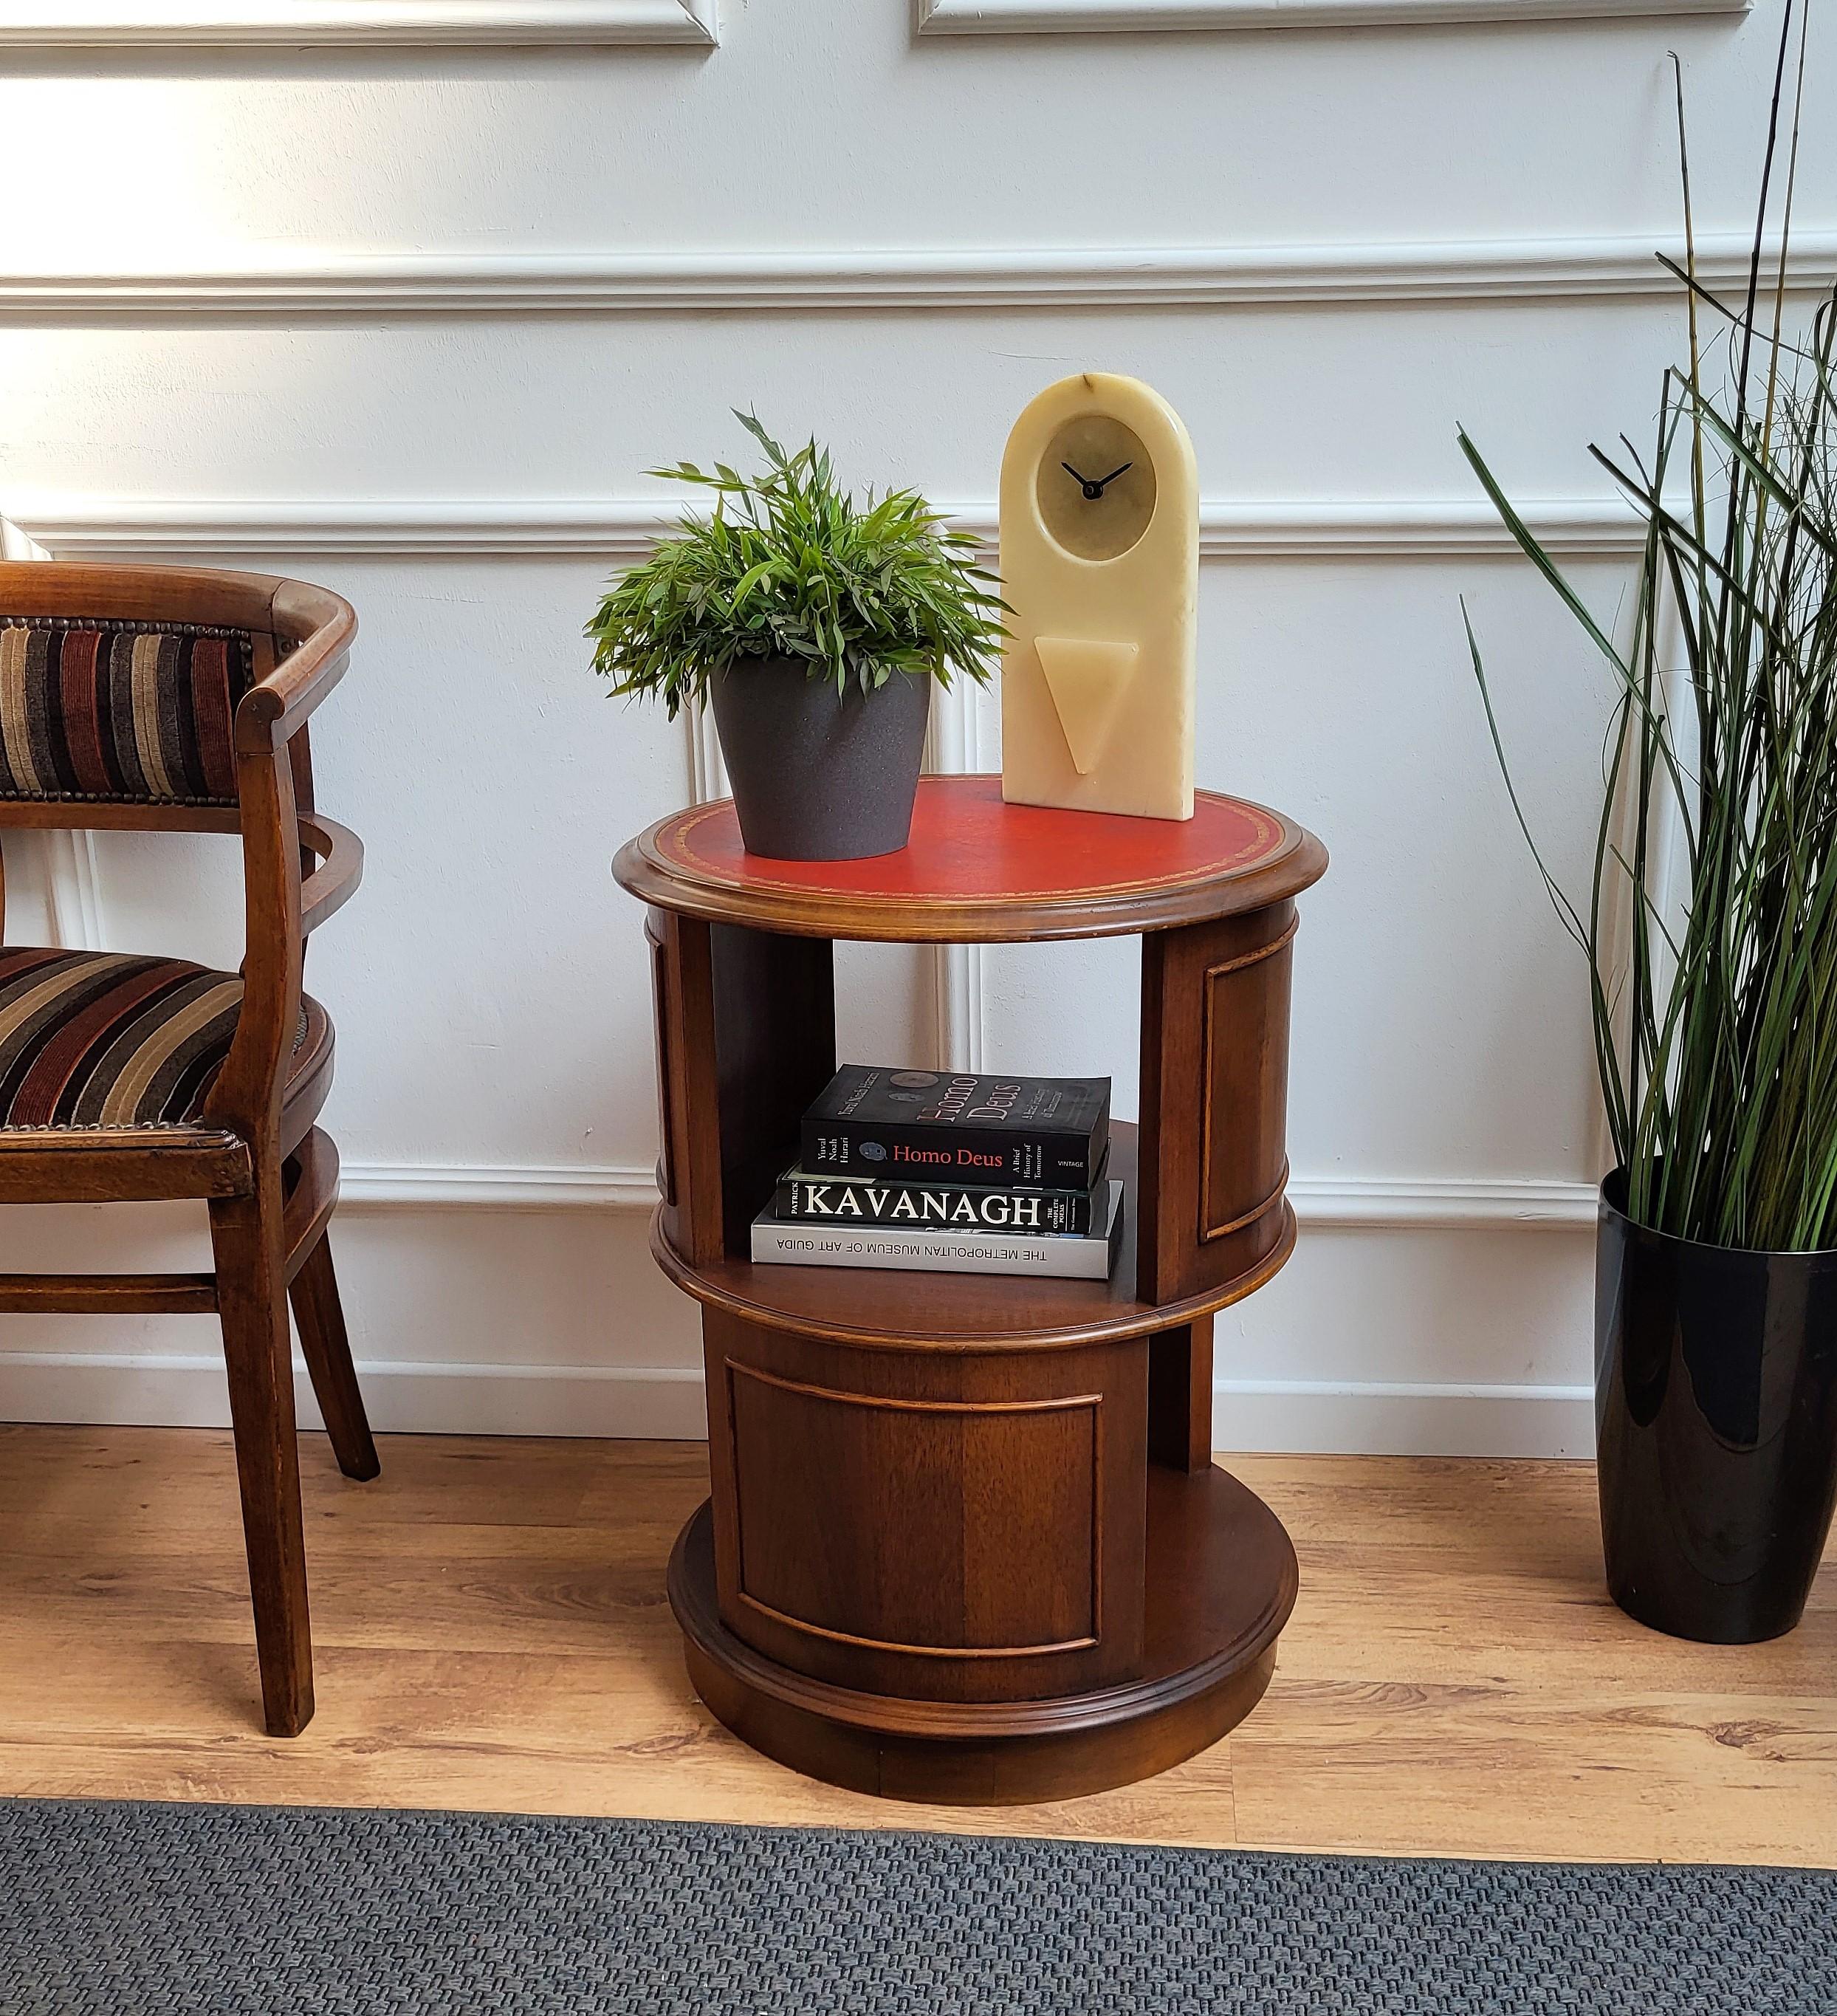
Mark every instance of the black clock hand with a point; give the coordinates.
(1104, 482)
(1092, 490)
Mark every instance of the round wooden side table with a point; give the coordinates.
(965, 1542)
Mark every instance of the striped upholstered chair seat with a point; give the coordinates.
(107, 1040)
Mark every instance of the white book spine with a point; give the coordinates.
(799, 1243)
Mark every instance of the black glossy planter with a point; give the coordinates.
(1716, 1422)
(819, 775)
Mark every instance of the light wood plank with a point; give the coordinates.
(492, 1633)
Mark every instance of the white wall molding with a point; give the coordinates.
(73, 889)
(408, 528)
(1017, 17)
(611, 529)
(350, 24)
(1422, 1203)
(956, 749)
(497, 1186)
(15, 546)
(1411, 528)
(666, 1402)
(73, 897)
(958, 980)
(446, 283)
(953, 738)
(708, 775)
(1458, 1204)
(1337, 1204)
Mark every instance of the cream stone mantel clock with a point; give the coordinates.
(1100, 563)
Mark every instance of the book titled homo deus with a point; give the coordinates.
(952, 1126)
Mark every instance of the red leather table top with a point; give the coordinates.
(966, 844)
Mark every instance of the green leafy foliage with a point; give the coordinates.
(1711, 928)
(787, 565)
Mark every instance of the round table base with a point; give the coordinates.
(1211, 1648)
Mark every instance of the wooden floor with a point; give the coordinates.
(493, 1633)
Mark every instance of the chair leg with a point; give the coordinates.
(252, 1300)
(319, 1317)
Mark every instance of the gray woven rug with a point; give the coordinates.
(137, 1910)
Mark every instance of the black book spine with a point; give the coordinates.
(988, 1156)
(946, 1207)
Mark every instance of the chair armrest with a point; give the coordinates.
(326, 624)
(340, 870)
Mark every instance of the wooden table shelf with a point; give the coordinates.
(958, 1312)
(964, 1541)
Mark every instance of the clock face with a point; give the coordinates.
(1095, 488)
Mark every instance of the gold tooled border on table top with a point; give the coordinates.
(676, 830)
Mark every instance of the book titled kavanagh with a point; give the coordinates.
(1049, 1133)
(861, 1200)
(945, 1249)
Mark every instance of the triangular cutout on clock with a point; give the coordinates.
(1087, 681)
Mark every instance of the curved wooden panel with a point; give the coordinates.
(664, 1020)
(1243, 1166)
(961, 1489)
(1214, 1103)
(1221, 1584)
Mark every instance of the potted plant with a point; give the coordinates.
(815, 627)
(1714, 992)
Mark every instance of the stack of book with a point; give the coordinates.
(947, 1172)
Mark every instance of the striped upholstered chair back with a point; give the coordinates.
(120, 713)
(118, 696)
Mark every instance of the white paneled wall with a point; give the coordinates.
(405, 295)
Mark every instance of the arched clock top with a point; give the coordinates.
(1099, 560)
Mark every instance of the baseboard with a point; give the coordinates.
(664, 1402)
(175, 1389)
(1374, 1418)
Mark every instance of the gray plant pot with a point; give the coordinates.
(819, 776)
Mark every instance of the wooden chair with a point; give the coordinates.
(176, 699)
